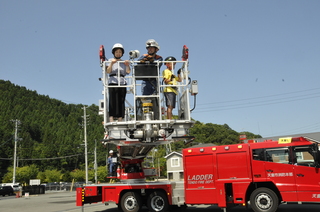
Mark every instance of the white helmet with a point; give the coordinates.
(152, 43)
(117, 46)
(111, 151)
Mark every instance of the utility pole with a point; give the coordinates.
(95, 163)
(85, 142)
(17, 123)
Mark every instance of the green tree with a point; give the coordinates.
(102, 174)
(53, 175)
(66, 177)
(7, 178)
(78, 175)
(42, 177)
(23, 174)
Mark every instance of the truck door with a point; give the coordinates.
(280, 171)
(199, 179)
(306, 174)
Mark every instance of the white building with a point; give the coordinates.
(174, 166)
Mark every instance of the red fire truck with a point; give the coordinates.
(261, 175)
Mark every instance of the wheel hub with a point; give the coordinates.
(264, 201)
(157, 203)
(130, 203)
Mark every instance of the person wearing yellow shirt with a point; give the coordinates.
(170, 92)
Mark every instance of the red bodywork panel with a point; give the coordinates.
(208, 169)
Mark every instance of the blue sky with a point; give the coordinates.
(257, 62)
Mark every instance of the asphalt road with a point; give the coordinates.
(65, 202)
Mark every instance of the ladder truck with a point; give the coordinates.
(261, 175)
(143, 128)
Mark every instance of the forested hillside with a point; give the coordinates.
(52, 133)
(49, 129)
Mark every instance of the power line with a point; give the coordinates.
(260, 97)
(54, 158)
(249, 105)
(283, 98)
(7, 141)
(257, 103)
(308, 128)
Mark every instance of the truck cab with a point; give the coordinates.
(291, 165)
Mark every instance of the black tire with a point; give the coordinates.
(157, 202)
(131, 202)
(264, 200)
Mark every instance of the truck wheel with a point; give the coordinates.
(131, 202)
(157, 202)
(264, 200)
